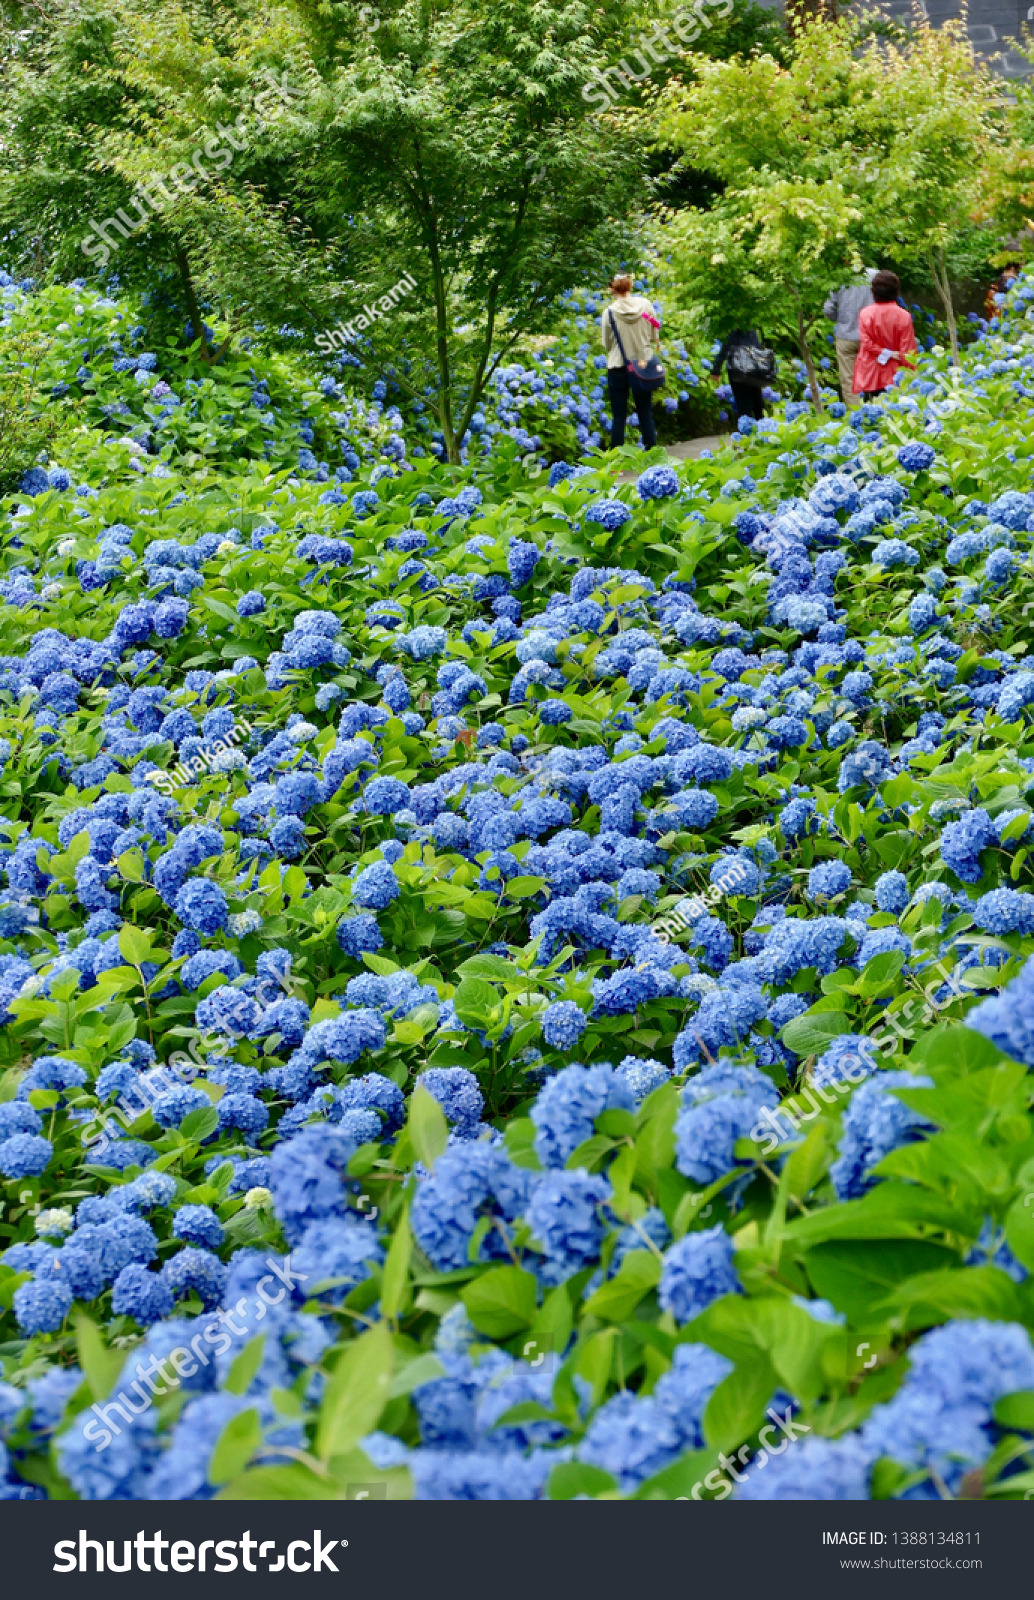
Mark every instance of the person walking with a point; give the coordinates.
(1001, 285)
(629, 322)
(842, 309)
(886, 338)
(747, 397)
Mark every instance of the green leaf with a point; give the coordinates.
(615, 1300)
(395, 1282)
(855, 1276)
(573, 1478)
(679, 1481)
(134, 944)
(1019, 1229)
(890, 1211)
(357, 1392)
(942, 1296)
(423, 1369)
(1016, 1410)
(810, 1034)
(200, 1123)
(101, 1365)
(809, 1161)
(520, 1143)
(237, 1443)
(736, 1410)
(1015, 829)
(428, 1129)
(879, 972)
(245, 1365)
(475, 1001)
(551, 1329)
(521, 888)
(488, 967)
(501, 1301)
(290, 1482)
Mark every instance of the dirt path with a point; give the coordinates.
(684, 450)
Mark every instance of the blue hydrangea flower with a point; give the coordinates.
(720, 1105)
(198, 1225)
(892, 892)
(916, 457)
(567, 1107)
(696, 1271)
(657, 483)
(828, 880)
(25, 1155)
(564, 1216)
(459, 1096)
(145, 1296)
(563, 1024)
(874, 1123)
(201, 905)
(376, 887)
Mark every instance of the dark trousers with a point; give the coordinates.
(748, 400)
(618, 388)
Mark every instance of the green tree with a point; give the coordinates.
(462, 137)
(454, 141)
(856, 150)
(937, 176)
(780, 142)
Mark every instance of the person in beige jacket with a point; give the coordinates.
(640, 330)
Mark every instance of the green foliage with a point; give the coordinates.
(27, 427)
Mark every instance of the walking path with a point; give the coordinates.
(684, 450)
(692, 449)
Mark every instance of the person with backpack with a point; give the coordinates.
(751, 367)
(843, 308)
(887, 338)
(631, 334)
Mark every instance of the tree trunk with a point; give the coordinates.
(196, 319)
(806, 357)
(939, 269)
(478, 384)
(441, 311)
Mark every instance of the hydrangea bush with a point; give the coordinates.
(517, 994)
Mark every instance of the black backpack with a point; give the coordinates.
(751, 364)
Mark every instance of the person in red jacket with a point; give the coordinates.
(887, 337)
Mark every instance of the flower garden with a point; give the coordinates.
(514, 983)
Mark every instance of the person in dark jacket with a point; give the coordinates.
(747, 397)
